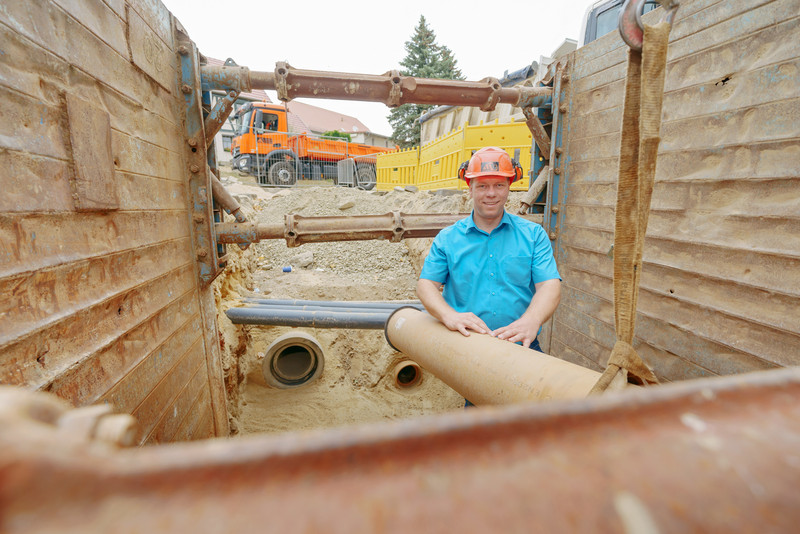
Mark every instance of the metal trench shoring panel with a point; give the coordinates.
(710, 455)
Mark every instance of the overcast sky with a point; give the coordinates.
(487, 38)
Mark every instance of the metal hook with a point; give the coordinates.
(631, 27)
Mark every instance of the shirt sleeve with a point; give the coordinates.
(436, 267)
(544, 263)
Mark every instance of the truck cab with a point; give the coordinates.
(260, 129)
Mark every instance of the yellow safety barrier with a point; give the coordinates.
(436, 164)
(397, 168)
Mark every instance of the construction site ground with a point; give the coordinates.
(357, 385)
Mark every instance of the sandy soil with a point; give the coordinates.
(358, 383)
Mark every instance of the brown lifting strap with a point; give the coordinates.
(641, 122)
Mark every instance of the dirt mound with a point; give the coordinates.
(358, 382)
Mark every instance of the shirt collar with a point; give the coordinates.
(471, 222)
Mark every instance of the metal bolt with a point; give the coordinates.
(202, 253)
(559, 150)
(553, 236)
(194, 168)
(186, 89)
(192, 141)
(557, 170)
(554, 209)
(199, 219)
(562, 108)
(182, 50)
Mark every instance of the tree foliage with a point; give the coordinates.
(338, 134)
(425, 58)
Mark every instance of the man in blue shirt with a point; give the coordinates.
(498, 270)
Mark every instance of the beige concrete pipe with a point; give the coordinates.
(484, 369)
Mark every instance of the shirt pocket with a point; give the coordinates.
(517, 270)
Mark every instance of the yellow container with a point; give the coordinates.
(435, 164)
(398, 168)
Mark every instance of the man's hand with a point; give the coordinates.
(429, 293)
(523, 329)
(464, 322)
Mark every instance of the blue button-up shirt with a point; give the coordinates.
(491, 275)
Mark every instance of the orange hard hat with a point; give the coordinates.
(490, 161)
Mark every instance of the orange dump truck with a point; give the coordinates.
(264, 148)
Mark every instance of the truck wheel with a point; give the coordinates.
(365, 177)
(282, 173)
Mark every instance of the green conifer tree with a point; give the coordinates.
(424, 59)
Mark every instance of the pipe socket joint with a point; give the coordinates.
(407, 374)
(293, 360)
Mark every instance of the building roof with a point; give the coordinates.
(323, 120)
(255, 95)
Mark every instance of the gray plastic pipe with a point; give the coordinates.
(328, 318)
(334, 303)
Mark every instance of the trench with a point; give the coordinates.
(361, 379)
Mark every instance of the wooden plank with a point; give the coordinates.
(40, 357)
(189, 405)
(115, 374)
(150, 53)
(92, 181)
(38, 241)
(98, 18)
(161, 397)
(37, 299)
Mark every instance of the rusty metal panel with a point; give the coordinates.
(101, 20)
(703, 456)
(189, 407)
(123, 376)
(93, 299)
(719, 281)
(93, 184)
(39, 182)
(150, 53)
(36, 299)
(169, 388)
(38, 356)
(37, 241)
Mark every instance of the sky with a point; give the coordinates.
(368, 37)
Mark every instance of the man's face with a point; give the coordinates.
(489, 195)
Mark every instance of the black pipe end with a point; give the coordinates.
(386, 324)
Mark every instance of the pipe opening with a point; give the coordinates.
(293, 360)
(294, 365)
(407, 374)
